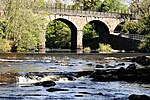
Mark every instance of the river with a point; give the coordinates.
(64, 72)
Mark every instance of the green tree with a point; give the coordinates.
(88, 4)
(145, 45)
(58, 35)
(25, 21)
(4, 45)
(3, 25)
(100, 5)
(144, 29)
(144, 25)
(112, 6)
(130, 27)
(140, 6)
(89, 31)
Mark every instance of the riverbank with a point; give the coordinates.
(87, 56)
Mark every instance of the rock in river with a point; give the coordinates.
(99, 66)
(55, 89)
(8, 78)
(142, 60)
(130, 74)
(138, 97)
(45, 83)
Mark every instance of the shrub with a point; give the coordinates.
(87, 49)
(104, 48)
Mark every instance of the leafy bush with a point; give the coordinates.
(87, 49)
(104, 48)
(132, 27)
(4, 45)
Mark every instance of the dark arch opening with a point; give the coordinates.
(73, 32)
(103, 34)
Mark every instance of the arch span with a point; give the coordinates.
(102, 31)
(73, 31)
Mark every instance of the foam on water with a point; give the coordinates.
(35, 79)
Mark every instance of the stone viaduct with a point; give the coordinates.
(77, 19)
(106, 24)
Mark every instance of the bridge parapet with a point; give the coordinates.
(68, 10)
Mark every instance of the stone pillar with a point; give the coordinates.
(79, 41)
(41, 48)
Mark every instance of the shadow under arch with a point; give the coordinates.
(103, 34)
(73, 32)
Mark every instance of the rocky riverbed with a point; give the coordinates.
(104, 79)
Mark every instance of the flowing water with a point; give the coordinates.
(64, 73)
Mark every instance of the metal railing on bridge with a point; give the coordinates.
(133, 36)
(79, 11)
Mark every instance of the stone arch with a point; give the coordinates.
(73, 32)
(103, 31)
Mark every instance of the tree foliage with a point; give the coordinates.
(144, 25)
(130, 27)
(4, 45)
(3, 25)
(89, 32)
(145, 45)
(24, 23)
(100, 5)
(112, 5)
(58, 35)
(140, 6)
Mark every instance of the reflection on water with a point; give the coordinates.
(60, 71)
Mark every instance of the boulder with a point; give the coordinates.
(83, 73)
(85, 93)
(108, 66)
(143, 75)
(144, 78)
(99, 66)
(103, 76)
(56, 89)
(131, 67)
(129, 74)
(8, 78)
(89, 64)
(97, 73)
(142, 60)
(121, 64)
(138, 97)
(45, 83)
